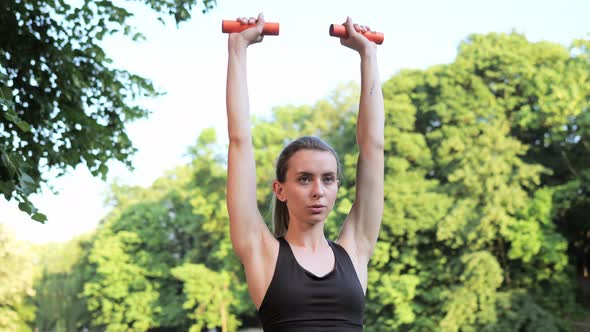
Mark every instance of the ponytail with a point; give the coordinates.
(280, 217)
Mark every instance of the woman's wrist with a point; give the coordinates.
(368, 52)
(236, 43)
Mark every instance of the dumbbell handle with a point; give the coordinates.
(339, 30)
(229, 26)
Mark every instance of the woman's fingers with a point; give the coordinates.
(355, 26)
(244, 20)
(361, 28)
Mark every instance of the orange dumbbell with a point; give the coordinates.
(339, 30)
(229, 26)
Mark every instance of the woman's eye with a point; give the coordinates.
(304, 179)
(329, 179)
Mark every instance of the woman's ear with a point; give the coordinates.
(277, 187)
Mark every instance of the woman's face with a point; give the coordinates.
(311, 185)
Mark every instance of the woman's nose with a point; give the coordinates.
(318, 188)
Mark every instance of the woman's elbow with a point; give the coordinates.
(371, 143)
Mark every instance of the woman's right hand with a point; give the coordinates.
(251, 35)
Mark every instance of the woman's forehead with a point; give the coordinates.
(313, 161)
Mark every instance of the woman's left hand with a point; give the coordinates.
(356, 40)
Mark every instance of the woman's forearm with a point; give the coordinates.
(237, 102)
(370, 125)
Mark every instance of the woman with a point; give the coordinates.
(300, 281)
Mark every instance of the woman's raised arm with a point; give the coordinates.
(246, 223)
(362, 225)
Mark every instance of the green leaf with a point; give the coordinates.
(11, 116)
(26, 207)
(26, 184)
(40, 217)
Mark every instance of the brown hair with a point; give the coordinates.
(280, 213)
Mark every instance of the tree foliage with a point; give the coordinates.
(479, 132)
(16, 282)
(62, 102)
(144, 249)
(208, 297)
(58, 286)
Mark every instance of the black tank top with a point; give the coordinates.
(297, 300)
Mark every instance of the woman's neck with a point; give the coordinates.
(311, 237)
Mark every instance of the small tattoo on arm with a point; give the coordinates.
(372, 89)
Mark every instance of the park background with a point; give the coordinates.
(487, 169)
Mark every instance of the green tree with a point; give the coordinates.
(473, 230)
(180, 219)
(16, 282)
(62, 102)
(58, 298)
(209, 297)
(122, 296)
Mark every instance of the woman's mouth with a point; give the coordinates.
(316, 208)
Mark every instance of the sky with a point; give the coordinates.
(300, 66)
